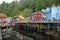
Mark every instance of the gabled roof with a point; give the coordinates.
(38, 12)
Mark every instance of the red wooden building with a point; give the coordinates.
(37, 16)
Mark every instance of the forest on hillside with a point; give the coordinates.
(25, 7)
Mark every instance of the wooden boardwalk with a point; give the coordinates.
(28, 27)
(35, 28)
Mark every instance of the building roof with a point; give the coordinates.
(38, 12)
(2, 15)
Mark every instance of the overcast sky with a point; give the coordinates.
(7, 1)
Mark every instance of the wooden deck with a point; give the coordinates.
(34, 27)
(28, 26)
